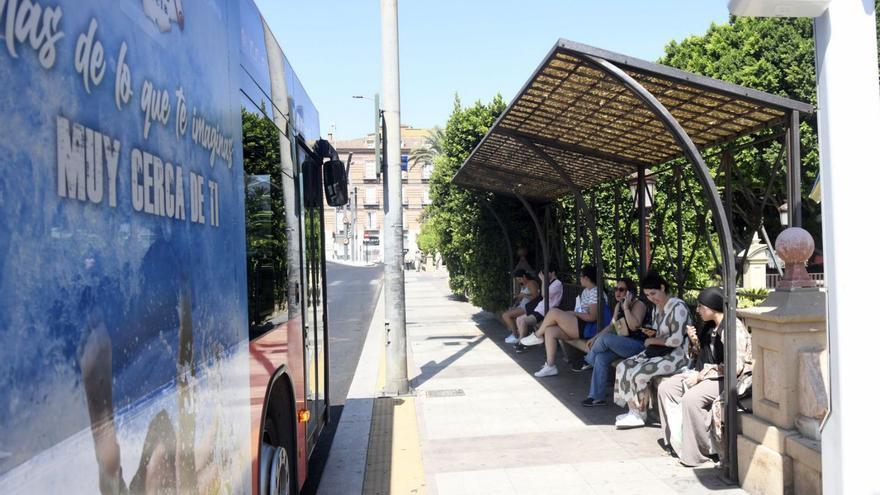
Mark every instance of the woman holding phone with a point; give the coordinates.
(621, 339)
(665, 354)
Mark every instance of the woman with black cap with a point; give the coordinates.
(686, 399)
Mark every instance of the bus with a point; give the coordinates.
(163, 310)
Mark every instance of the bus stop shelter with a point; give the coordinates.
(587, 116)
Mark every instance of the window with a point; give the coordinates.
(371, 200)
(370, 170)
(426, 196)
(265, 223)
(404, 196)
(371, 220)
(427, 170)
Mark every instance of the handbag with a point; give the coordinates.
(530, 307)
(653, 351)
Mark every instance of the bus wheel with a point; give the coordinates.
(274, 464)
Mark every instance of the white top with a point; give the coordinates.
(587, 298)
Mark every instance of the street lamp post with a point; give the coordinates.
(641, 186)
(396, 379)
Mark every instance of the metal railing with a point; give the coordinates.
(774, 278)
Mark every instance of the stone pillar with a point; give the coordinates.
(788, 390)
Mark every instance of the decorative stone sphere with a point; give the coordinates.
(795, 246)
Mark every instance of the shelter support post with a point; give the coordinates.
(545, 252)
(618, 270)
(793, 152)
(679, 230)
(644, 243)
(727, 166)
(511, 262)
(579, 256)
(721, 226)
(591, 222)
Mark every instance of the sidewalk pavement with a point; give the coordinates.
(486, 426)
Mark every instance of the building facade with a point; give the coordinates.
(354, 232)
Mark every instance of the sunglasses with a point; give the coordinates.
(620, 289)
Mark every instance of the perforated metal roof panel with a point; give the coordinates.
(596, 129)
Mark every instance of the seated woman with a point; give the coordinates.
(690, 395)
(529, 290)
(665, 354)
(568, 325)
(535, 308)
(621, 339)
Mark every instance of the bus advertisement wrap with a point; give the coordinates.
(123, 305)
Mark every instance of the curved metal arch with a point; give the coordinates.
(591, 224)
(724, 236)
(488, 204)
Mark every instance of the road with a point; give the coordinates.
(352, 294)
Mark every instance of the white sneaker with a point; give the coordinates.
(632, 419)
(547, 370)
(531, 339)
(511, 339)
(620, 416)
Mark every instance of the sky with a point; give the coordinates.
(475, 48)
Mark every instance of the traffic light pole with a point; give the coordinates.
(396, 379)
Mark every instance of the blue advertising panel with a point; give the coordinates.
(123, 312)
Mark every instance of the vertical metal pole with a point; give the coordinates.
(354, 231)
(600, 264)
(579, 256)
(793, 153)
(350, 246)
(848, 117)
(378, 140)
(644, 255)
(727, 166)
(396, 380)
(679, 266)
(617, 260)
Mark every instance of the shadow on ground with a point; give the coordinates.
(570, 388)
(322, 451)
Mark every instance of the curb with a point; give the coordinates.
(344, 471)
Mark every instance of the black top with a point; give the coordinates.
(636, 333)
(711, 346)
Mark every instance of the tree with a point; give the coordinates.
(459, 226)
(430, 149)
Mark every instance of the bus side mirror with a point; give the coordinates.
(335, 183)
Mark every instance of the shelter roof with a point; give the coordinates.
(597, 129)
